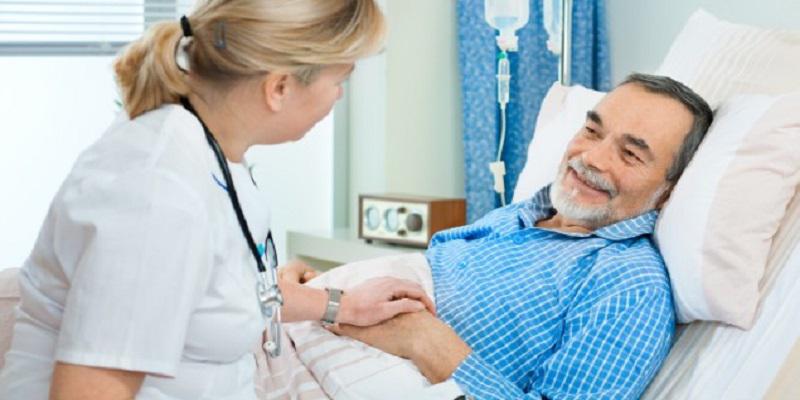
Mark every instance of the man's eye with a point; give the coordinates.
(631, 155)
(591, 132)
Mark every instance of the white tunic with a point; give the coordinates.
(141, 265)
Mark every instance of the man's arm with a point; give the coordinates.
(610, 350)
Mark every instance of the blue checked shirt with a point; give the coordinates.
(551, 314)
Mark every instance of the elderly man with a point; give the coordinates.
(563, 296)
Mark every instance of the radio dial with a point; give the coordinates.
(391, 220)
(373, 218)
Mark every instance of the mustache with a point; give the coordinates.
(592, 178)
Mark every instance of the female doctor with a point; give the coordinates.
(147, 278)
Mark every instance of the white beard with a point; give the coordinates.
(565, 205)
(592, 216)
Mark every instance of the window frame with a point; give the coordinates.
(153, 11)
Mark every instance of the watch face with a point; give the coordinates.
(373, 218)
(391, 220)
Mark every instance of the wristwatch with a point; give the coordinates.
(332, 309)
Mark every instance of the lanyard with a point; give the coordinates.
(269, 294)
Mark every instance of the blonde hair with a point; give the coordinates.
(239, 39)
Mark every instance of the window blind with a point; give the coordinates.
(73, 27)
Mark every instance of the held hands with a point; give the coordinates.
(379, 299)
(369, 303)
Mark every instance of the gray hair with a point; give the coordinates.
(701, 112)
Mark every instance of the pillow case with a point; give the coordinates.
(716, 230)
(719, 59)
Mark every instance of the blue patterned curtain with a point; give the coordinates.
(534, 69)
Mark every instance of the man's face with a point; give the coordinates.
(615, 167)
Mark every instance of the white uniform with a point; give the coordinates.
(141, 265)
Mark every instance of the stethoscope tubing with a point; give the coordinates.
(268, 292)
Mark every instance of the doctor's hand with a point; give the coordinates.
(296, 272)
(379, 299)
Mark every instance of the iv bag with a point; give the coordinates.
(507, 16)
(551, 16)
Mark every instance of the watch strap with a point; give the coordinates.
(332, 309)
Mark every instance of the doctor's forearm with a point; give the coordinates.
(302, 303)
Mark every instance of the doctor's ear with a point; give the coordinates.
(275, 88)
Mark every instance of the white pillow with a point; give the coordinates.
(717, 228)
(719, 59)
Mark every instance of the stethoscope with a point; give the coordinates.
(269, 294)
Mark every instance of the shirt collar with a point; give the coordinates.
(540, 207)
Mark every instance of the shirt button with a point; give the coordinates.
(462, 264)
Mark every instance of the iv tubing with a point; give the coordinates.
(502, 133)
(498, 167)
(499, 159)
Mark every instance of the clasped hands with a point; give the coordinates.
(395, 316)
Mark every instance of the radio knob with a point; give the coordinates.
(414, 222)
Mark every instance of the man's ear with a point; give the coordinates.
(662, 200)
(275, 88)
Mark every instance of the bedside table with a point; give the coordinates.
(329, 249)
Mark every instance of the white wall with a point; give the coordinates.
(641, 31)
(405, 133)
(53, 108)
(424, 138)
(299, 179)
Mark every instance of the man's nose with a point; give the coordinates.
(599, 156)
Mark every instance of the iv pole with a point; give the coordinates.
(498, 168)
(565, 58)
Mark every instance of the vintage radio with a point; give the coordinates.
(407, 220)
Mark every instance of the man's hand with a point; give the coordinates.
(296, 271)
(428, 342)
